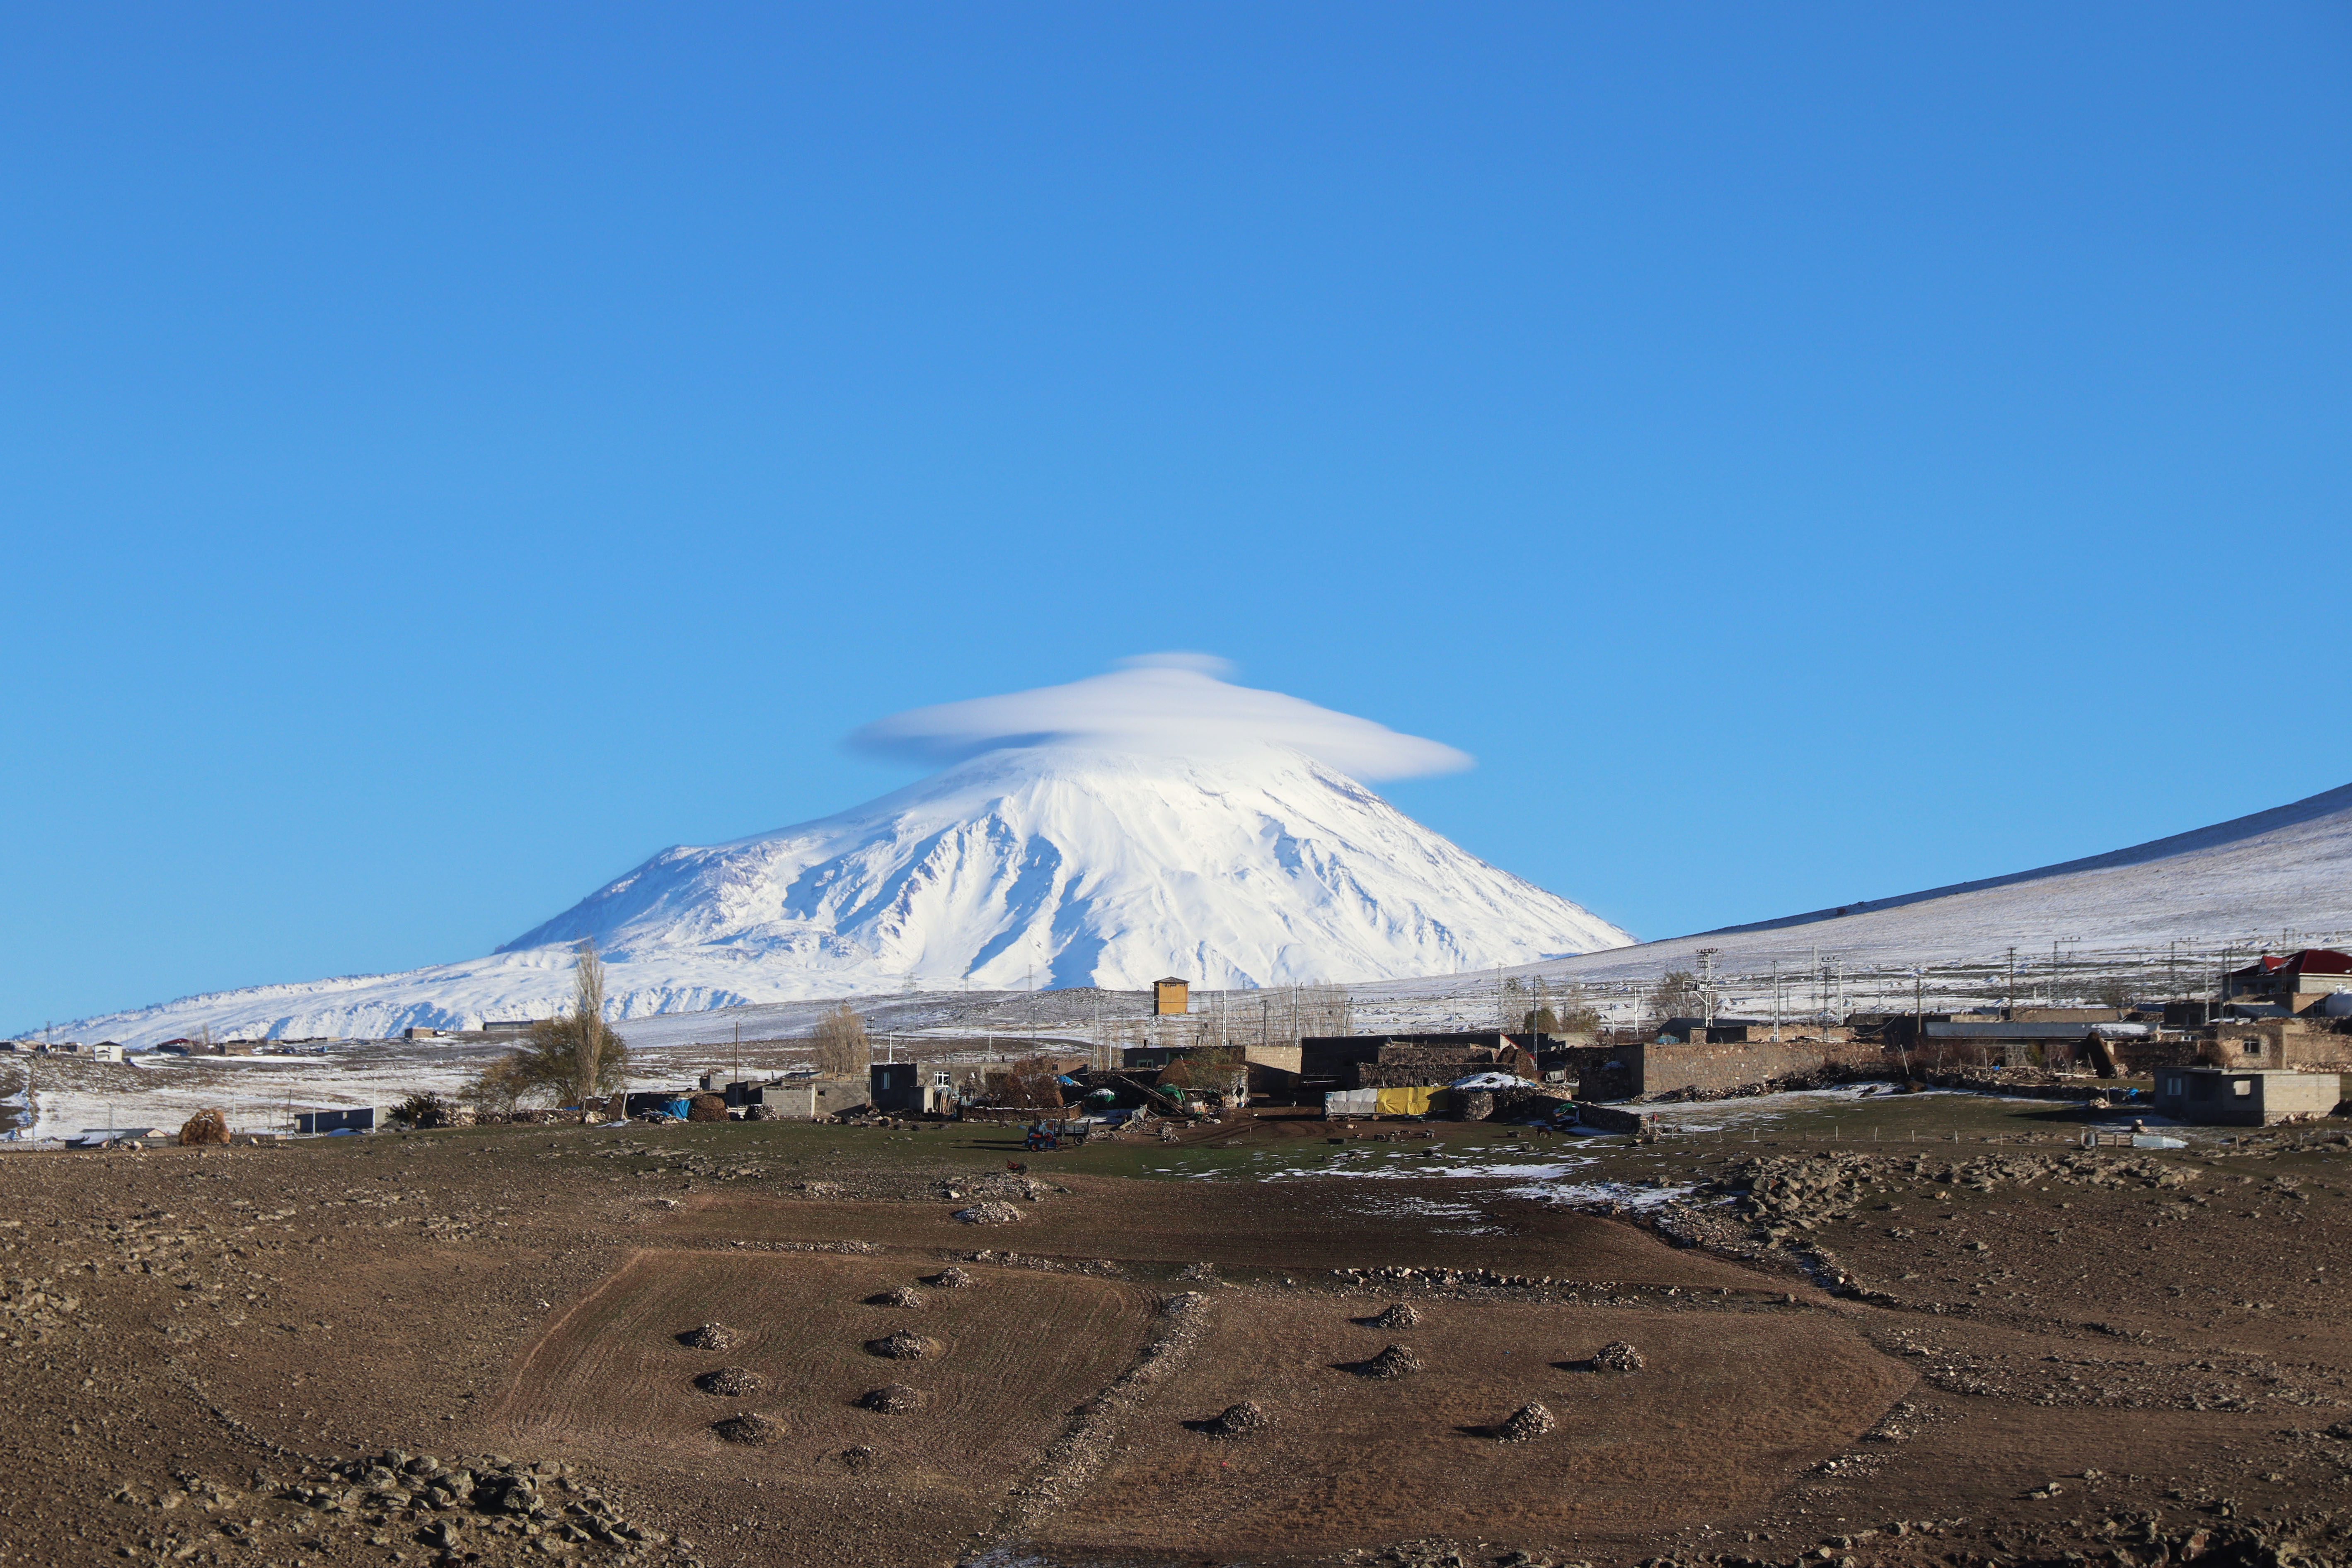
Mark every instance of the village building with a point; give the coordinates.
(2295, 983)
(344, 1119)
(2230, 1097)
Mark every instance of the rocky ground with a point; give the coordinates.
(314, 1354)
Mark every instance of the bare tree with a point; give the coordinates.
(842, 1049)
(579, 1057)
(1677, 994)
(495, 1090)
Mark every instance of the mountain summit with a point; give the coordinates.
(1075, 865)
(1153, 820)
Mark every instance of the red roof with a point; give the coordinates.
(2310, 961)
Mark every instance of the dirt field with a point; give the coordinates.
(1910, 1332)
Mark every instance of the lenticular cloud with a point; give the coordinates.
(1172, 703)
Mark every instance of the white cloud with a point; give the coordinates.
(1160, 703)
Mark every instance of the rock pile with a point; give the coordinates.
(498, 1512)
(749, 1427)
(890, 1399)
(1617, 1357)
(1402, 1316)
(1524, 1425)
(1236, 1421)
(1396, 1361)
(710, 1336)
(896, 1296)
(995, 1212)
(949, 1279)
(903, 1346)
(734, 1382)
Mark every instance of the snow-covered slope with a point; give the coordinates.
(1026, 866)
(2283, 874)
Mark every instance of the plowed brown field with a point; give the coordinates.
(1715, 1423)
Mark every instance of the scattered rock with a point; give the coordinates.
(1183, 1301)
(858, 1459)
(995, 1212)
(890, 1399)
(896, 1296)
(903, 1346)
(1402, 1316)
(710, 1336)
(950, 1280)
(751, 1427)
(1524, 1425)
(735, 1382)
(1396, 1361)
(1617, 1357)
(1236, 1421)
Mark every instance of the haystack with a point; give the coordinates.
(204, 1127)
(707, 1108)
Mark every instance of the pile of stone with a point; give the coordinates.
(1399, 1316)
(495, 1511)
(994, 1212)
(1617, 1357)
(896, 1296)
(708, 1336)
(903, 1346)
(733, 1382)
(1394, 1362)
(890, 1399)
(1236, 1421)
(1524, 1425)
(949, 1279)
(749, 1427)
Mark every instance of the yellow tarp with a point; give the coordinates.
(1410, 1101)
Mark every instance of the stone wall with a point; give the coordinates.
(1648, 1070)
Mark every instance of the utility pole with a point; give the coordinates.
(1919, 1003)
(2010, 1012)
(1706, 985)
(1776, 1001)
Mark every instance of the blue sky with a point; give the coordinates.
(1805, 452)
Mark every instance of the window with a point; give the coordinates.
(2242, 1087)
(2254, 1048)
(2172, 1086)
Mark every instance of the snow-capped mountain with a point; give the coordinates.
(1033, 866)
